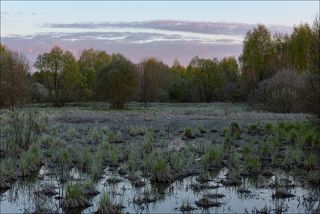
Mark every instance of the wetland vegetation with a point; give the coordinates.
(101, 134)
(168, 158)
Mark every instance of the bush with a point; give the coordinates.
(280, 93)
(311, 92)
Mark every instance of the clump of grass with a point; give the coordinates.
(133, 131)
(179, 160)
(253, 129)
(95, 136)
(147, 146)
(213, 156)
(96, 166)
(160, 169)
(134, 161)
(22, 130)
(75, 196)
(109, 153)
(107, 205)
(266, 149)
(314, 177)
(202, 129)
(8, 168)
(74, 191)
(269, 128)
(311, 161)
(252, 164)
(246, 149)
(115, 137)
(30, 160)
(235, 130)
(188, 132)
(105, 200)
(293, 156)
(158, 165)
(291, 136)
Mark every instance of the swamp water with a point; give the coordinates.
(21, 198)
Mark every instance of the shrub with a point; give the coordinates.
(311, 92)
(280, 93)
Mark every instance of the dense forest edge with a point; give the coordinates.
(275, 72)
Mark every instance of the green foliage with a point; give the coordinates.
(13, 79)
(62, 74)
(117, 82)
(256, 57)
(299, 47)
(151, 72)
(206, 76)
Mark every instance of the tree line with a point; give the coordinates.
(276, 71)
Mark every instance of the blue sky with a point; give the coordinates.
(38, 19)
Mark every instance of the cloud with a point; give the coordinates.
(173, 25)
(165, 40)
(164, 48)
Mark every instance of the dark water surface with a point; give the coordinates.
(21, 197)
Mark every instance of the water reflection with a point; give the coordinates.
(253, 195)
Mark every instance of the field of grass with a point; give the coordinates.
(178, 157)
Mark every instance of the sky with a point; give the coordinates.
(139, 29)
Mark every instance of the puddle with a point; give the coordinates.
(21, 197)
